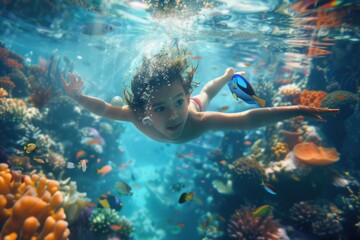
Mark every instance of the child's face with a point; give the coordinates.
(168, 108)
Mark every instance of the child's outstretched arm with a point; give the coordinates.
(95, 105)
(258, 117)
(209, 91)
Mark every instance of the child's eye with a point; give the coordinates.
(179, 102)
(159, 109)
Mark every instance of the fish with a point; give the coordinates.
(262, 211)
(30, 147)
(39, 160)
(94, 141)
(110, 202)
(82, 164)
(80, 153)
(123, 188)
(186, 197)
(197, 57)
(97, 28)
(241, 88)
(181, 225)
(268, 187)
(70, 165)
(247, 142)
(223, 162)
(115, 227)
(176, 187)
(104, 170)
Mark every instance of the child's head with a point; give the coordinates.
(161, 88)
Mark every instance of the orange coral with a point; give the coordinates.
(28, 207)
(311, 154)
(291, 138)
(3, 93)
(311, 98)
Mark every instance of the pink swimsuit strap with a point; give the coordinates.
(197, 102)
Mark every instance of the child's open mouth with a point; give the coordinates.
(174, 127)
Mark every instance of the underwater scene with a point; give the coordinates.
(179, 119)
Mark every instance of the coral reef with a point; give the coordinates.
(55, 160)
(30, 207)
(280, 150)
(3, 93)
(8, 84)
(74, 201)
(265, 89)
(243, 225)
(327, 228)
(21, 82)
(343, 100)
(310, 98)
(102, 220)
(12, 110)
(311, 154)
(290, 92)
(302, 215)
(209, 226)
(247, 169)
(9, 60)
(323, 221)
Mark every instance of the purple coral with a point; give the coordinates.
(322, 221)
(327, 228)
(243, 225)
(303, 213)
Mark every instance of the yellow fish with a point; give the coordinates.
(30, 147)
(39, 160)
(262, 211)
(186, 197)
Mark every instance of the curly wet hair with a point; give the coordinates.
(169, 65)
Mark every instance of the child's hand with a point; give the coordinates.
(73, 88)
(229, 72)
(315, 112)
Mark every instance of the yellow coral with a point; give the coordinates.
(74, 201)
(29, 207)
(12, 110)
(280, 150)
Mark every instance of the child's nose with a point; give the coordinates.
(173, 114)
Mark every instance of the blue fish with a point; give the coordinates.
(268, 187)
(241, 88)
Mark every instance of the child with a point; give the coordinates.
(160, 106)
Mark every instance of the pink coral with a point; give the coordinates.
(290, 90)
(243, 225)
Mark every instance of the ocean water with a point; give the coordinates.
(293, 179)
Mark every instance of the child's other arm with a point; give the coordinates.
(258, 117)
(95, 105)
(104, 109)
